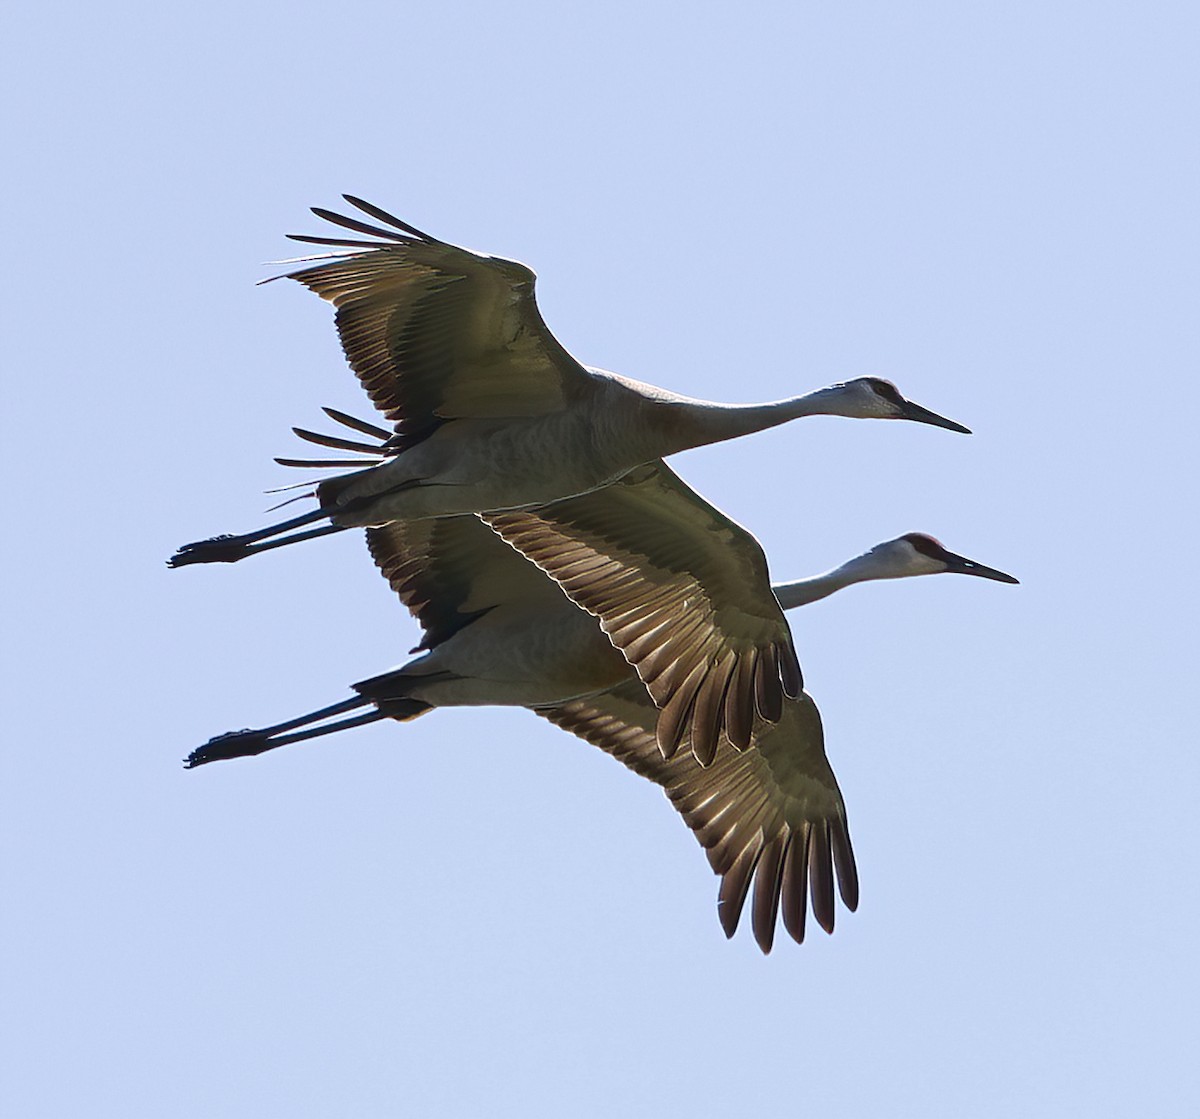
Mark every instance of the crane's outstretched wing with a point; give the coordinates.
(449, 571)
(436, 332)
(681, 590)
(772, 815)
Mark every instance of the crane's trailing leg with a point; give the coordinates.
(247, 743)
(230, 549)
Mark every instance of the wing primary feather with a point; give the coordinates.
(795, 884)
(313, 239)
(843, 861)
(355, 424)
(323, 464)
(356, 225)
(735, 883)
(768, 693)
(820, 869)
(389, 219)
(767, 884)
(739, 701)
(336, 442)
(789, 669)
(708, 710)
(673, 719)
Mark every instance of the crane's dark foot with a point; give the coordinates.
(236, 744)
(219, 549)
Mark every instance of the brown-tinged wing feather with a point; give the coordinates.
(449, 571)
(765, 816)
(435, 332)
(681, 590)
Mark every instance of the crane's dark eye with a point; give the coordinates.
(886, 389)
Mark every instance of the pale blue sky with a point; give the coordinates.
(995, 205)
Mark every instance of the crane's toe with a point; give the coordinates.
(235, 744)
(218, 549)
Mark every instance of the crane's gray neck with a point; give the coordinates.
(696, 423)
(803, 591)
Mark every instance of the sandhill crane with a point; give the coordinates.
(490, 413)
(498, 631)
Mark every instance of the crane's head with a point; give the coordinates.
(873, 398)
(914, 553)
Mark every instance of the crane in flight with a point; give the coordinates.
(489, 411)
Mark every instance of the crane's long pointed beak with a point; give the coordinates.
(925, 416)
(960, 565)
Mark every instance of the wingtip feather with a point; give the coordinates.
(820, 868)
